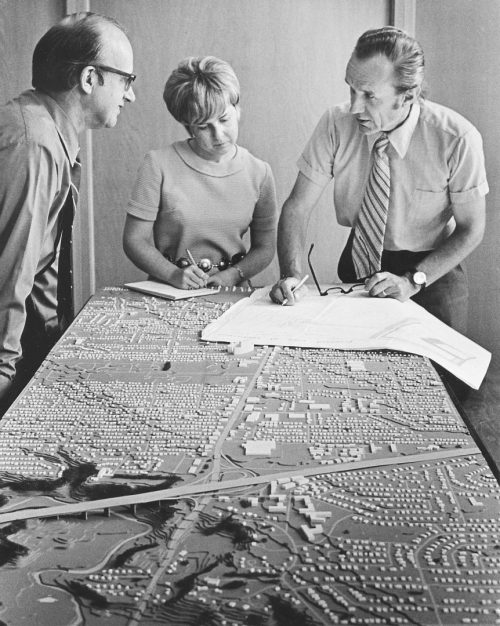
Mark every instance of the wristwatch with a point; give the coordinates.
(417, 277)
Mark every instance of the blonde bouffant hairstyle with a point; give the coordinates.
(199, 89)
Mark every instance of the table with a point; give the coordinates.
(151, 478)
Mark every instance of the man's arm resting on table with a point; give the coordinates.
(291, 236)
(468, 234)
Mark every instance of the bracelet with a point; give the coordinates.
(238, 269)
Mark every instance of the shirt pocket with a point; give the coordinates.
(429, 205)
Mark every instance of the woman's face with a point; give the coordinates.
(215, 139)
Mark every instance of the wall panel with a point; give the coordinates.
(290, 57)
(22, 23)
(462, 48)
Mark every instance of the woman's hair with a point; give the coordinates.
(403, 51)
(66, 49)
(199, 89)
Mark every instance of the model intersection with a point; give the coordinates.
(130, 401)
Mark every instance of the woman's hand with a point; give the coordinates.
(139, 246)
(191, 277)
(226, 278)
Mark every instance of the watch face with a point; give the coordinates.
(419, 278)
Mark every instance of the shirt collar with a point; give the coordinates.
(211, 168)
(65, 128)
(401, 137)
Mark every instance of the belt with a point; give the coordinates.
(207, 264)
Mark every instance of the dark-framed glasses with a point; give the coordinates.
(129, 77)
(358, 286)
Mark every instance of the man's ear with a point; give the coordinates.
(411, 95)
(88, 78)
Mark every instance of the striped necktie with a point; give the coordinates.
(368, 242)
(65, 305)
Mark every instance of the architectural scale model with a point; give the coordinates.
(148, 477)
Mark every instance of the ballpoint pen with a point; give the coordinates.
(295, 287)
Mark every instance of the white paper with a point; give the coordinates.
(169, 292)
(351, 322)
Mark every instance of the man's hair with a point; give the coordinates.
(66, 49)
(199, 89)
(404, 51)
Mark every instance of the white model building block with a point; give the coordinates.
(253, 417)
(311, 533)
(240, 347)
(277, 508)
(259, 447)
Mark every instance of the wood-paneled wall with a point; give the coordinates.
(22, 23)
(462, 48)
(290, 57)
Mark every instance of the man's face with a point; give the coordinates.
(374, 101)
(111, 94)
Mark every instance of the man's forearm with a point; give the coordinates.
(468, 234)
(449, 254)
(292, 229)
(291, 240)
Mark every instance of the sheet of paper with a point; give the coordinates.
(354, 321)
(163, 290)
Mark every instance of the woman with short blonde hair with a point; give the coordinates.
(203, 211)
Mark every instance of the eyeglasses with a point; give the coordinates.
(359, 286)
(129, 77)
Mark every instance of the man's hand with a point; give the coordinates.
(284, 290)
(387, 285)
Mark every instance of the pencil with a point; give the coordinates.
(190, 257)
(295, 287)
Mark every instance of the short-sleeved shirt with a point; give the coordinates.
(202, 205)
(436, 161)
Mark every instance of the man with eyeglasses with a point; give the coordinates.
(82, 78)
(409, 181)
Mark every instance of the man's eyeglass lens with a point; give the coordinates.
(130, 77)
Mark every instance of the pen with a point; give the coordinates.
(190, 257)
(297, 286)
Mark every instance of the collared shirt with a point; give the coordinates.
(436, 160)
(38, 145)
(202, 205)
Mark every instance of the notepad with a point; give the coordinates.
(162, 290)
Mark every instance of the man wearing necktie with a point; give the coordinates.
(409, 182)
(82, 78)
